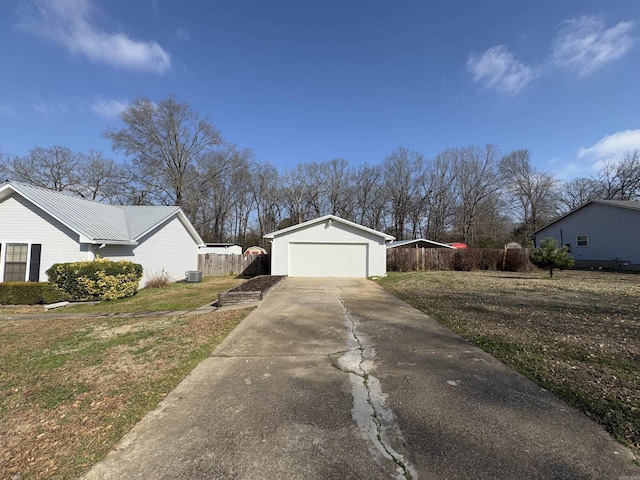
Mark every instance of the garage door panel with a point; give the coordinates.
(327, 260)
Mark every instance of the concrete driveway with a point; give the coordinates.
(338, 379)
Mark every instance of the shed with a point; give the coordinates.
(255, 250)
(329, 246)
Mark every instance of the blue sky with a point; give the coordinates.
(301, 81)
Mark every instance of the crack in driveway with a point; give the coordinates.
(375, 421)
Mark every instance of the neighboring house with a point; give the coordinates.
(221, 248)
(418, 243)
(40, 227)
(599, 233)
(328, 246)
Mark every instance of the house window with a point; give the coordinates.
(582, 240)
(15, 262)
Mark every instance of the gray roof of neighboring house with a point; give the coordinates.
(418, 241)
(632, 204)
(98, 222)
(629, 204)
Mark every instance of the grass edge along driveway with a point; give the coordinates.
(577, 335)
(70, 388)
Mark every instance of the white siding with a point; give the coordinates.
(168, 248)
(613, 233)
(22, 222)
(336, 233)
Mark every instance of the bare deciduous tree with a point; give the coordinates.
(402, 170)
(336, 177)
(266, 188)
(476, 179)
(295, 194)
(99, 179)
(531, 194)
(576, 192)
(620, 180)
(4, 174)
(441, 176)
(54, 167)
(165, 141)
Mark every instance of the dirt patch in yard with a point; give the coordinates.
(577, 335)
(262, 284)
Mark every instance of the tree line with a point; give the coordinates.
(475, 194)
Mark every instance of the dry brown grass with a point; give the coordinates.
(70, 388)
(577, 335)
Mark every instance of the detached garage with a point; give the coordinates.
(328, 246)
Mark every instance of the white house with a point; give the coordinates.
(40, 227)
(221, 248)
(328, 246)
(599, 233)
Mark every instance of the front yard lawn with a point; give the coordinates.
(577, 335)
(70, 388)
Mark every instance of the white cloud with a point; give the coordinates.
(53, 108)
(71, 24)
(585, 44)
(498, 69)
(182, 34)
(7, 112)
(590, 160)
(109, 108)
(611, 147)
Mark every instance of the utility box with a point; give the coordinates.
(193, 276)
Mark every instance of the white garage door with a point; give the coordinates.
(327, 260)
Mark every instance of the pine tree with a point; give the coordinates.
(549, 256)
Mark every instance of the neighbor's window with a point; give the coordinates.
(15, 262)
(582, 240)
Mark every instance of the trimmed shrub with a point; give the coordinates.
(100, 279)
(29, 293)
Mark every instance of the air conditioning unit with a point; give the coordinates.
(193, 276)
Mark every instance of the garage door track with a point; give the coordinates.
(338, 379)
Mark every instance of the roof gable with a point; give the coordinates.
(97, 222)
(627, 204)
(329, 218)
(418, 241)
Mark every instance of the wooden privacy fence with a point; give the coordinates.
(213, 264)
(421, 259)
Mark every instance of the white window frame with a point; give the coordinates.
(582, 238)
(3, 257)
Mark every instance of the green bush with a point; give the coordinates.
(100, 279)
(29, 293)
